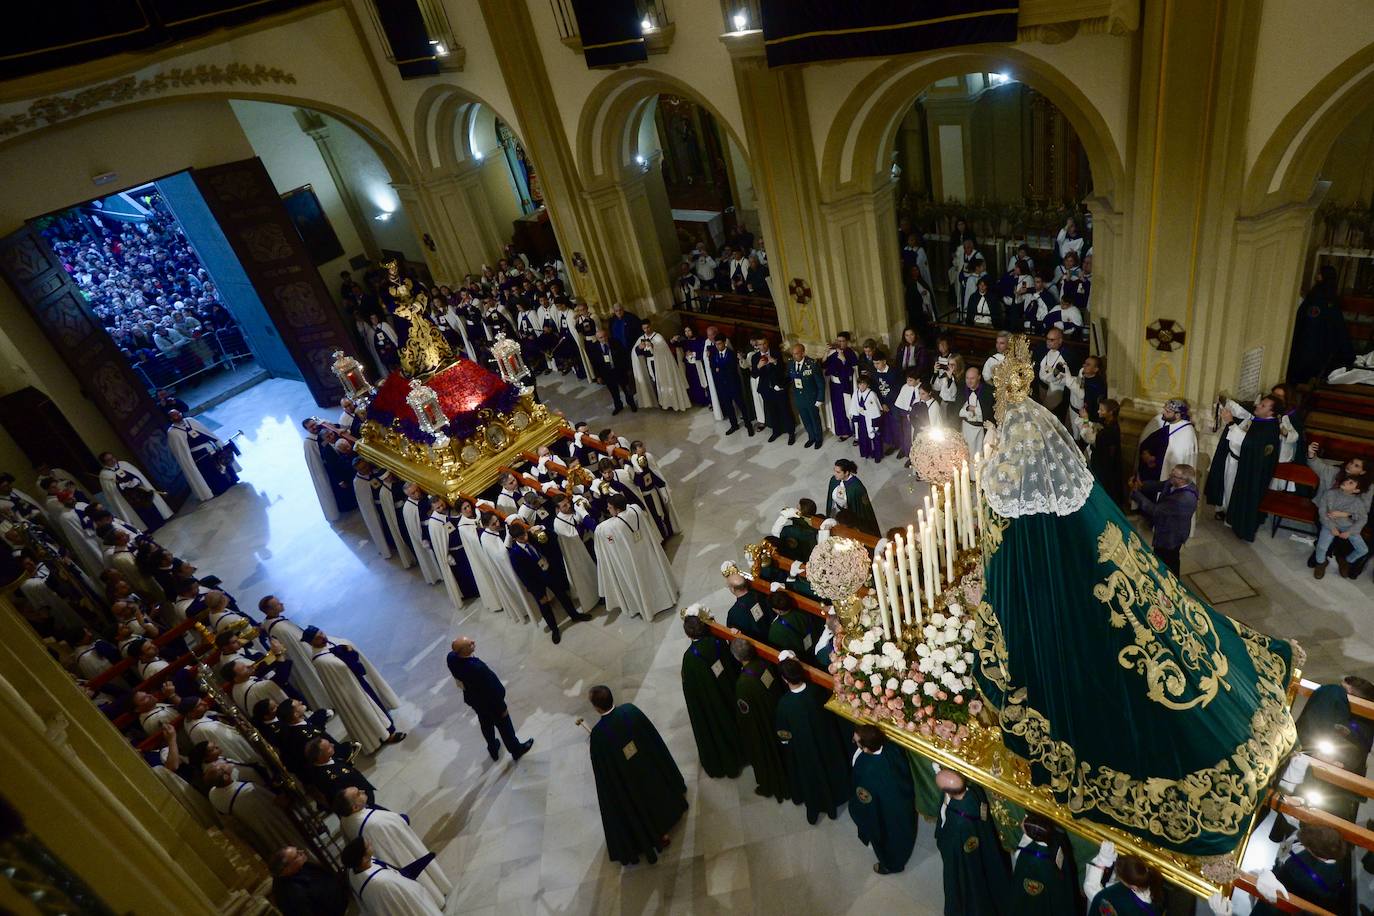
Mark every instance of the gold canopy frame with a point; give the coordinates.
(463, 466)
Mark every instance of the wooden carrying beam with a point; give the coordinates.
(844, 531)
(768, 653)
(1353, 833)
(1358, 707)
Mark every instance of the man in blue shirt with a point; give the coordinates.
(484, 692)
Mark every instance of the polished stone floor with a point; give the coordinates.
(527, 838)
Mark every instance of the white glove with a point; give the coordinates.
(785, 654)
(796, 568)
(1294, 773)
(1269, 886)
(828, 524)
(1106, 855)
(776, 586)
(1220, 905)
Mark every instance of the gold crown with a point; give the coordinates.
(1013, 377)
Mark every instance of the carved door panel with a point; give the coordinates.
(36, 274)
(259, 229)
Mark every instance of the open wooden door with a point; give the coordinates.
(38, 278)
(250, 213)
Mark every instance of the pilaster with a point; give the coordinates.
(861, 238)
(624, 218)
(465, 235)
(95, 803)
(314, 127)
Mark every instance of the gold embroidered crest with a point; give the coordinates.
(863, 795)
(971, 844)
(743, 707)
(1033, 888)
(784, 735)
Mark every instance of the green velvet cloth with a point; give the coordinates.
(1116, 899)
(1138, 705)
(708, 687)
(856, 501)
(1043, 881)
(798, 540)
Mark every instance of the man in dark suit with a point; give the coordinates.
(484, 692)
(330, 775)
(766, 366)
(302, 888)
(725, 375)
(624, 326)
(295, 730)
(543, 579)
(612, 364)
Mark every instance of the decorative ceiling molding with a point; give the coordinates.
(55, 109)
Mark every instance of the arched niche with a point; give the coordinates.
(856, 157)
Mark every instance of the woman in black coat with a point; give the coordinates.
(1105, 460)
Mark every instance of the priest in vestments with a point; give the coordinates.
(639, 788)
(756, 708)
(813, 746)
(1166, 441)
(847, 492)
(130, 495)
(382, 888)
(659, 379)
(362, 698)
(391, 836)
(976, 876)
(883, 805)
(708, 686)
(1244, 462)
(632, 571)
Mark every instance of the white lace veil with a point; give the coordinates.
(1032, 465)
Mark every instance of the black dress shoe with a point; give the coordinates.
(494, 750)
(524, 749)
(581, 618)
(774, 437)
(792, 440)
(750, 430)
(557, 637)
(616, 411)
(735, 429)
(634, 408)
(395, 738)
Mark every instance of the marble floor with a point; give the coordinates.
(527, 838)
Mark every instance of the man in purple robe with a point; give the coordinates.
(841, 362)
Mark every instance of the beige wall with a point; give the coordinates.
(52, 170)
(1350, 164)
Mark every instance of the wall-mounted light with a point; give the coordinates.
(640, 159)
(382, 217)
(997, 79)
(741, 21)
(646, 25)
(477, 154)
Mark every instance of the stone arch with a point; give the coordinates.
(1290, 162)
(857, 145)
(443, 119)
(612, 116)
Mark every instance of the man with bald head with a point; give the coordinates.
(749, 614)
(484, 692)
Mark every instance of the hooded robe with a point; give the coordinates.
(117, 481)
(639, 788)
(708, 687)
(393, 840)
(632, 571)
(361, 697)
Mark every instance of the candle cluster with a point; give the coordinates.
(914, 568)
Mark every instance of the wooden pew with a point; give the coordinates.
(1280, 504)
(977, 344)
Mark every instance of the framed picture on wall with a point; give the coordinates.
(313, 226)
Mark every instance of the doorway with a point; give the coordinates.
(159, 276)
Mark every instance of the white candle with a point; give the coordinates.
(928, 548)
(882, 600)
(960, 536)
(966, 504)
(894, 601)
(914, 610)
(949, 534)
(903, 571)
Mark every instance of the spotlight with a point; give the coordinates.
(1326, 748)
(640, 160)
(937, 433)
(741, 21)
(646, 25)
(477, 154)
(382, 217)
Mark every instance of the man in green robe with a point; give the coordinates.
(792, 628)
(796, 536)
(756, 707)
(750, 613)
(847, 492)
(1137, 889)
(976, 876)
(813, 746)
(770, 571)
(1044, 880)
(1244, 463)
(883, 805)
(708, 686)
(1315, 870)
(639, 788)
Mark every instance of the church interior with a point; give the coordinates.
(652, 456)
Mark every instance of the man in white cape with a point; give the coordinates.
(117, 478)
(202, 724)
(319, 476)
(381, 888)
(418, 528)
(1170, 439)
(85, 547)
(659, 378)
(252, 807)
(513, 597)
(362, 697)
(391, 836)
(367, 484)
(632, 570)
(286, 631)
(188, 439)
(568, 524)
(390, 501)
(453, 540)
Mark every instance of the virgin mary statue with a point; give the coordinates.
(1137, 704)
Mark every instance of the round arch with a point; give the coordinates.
(610, 120)
(444, 118)
(1290, 162)
(861, 138)
(398, 166)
